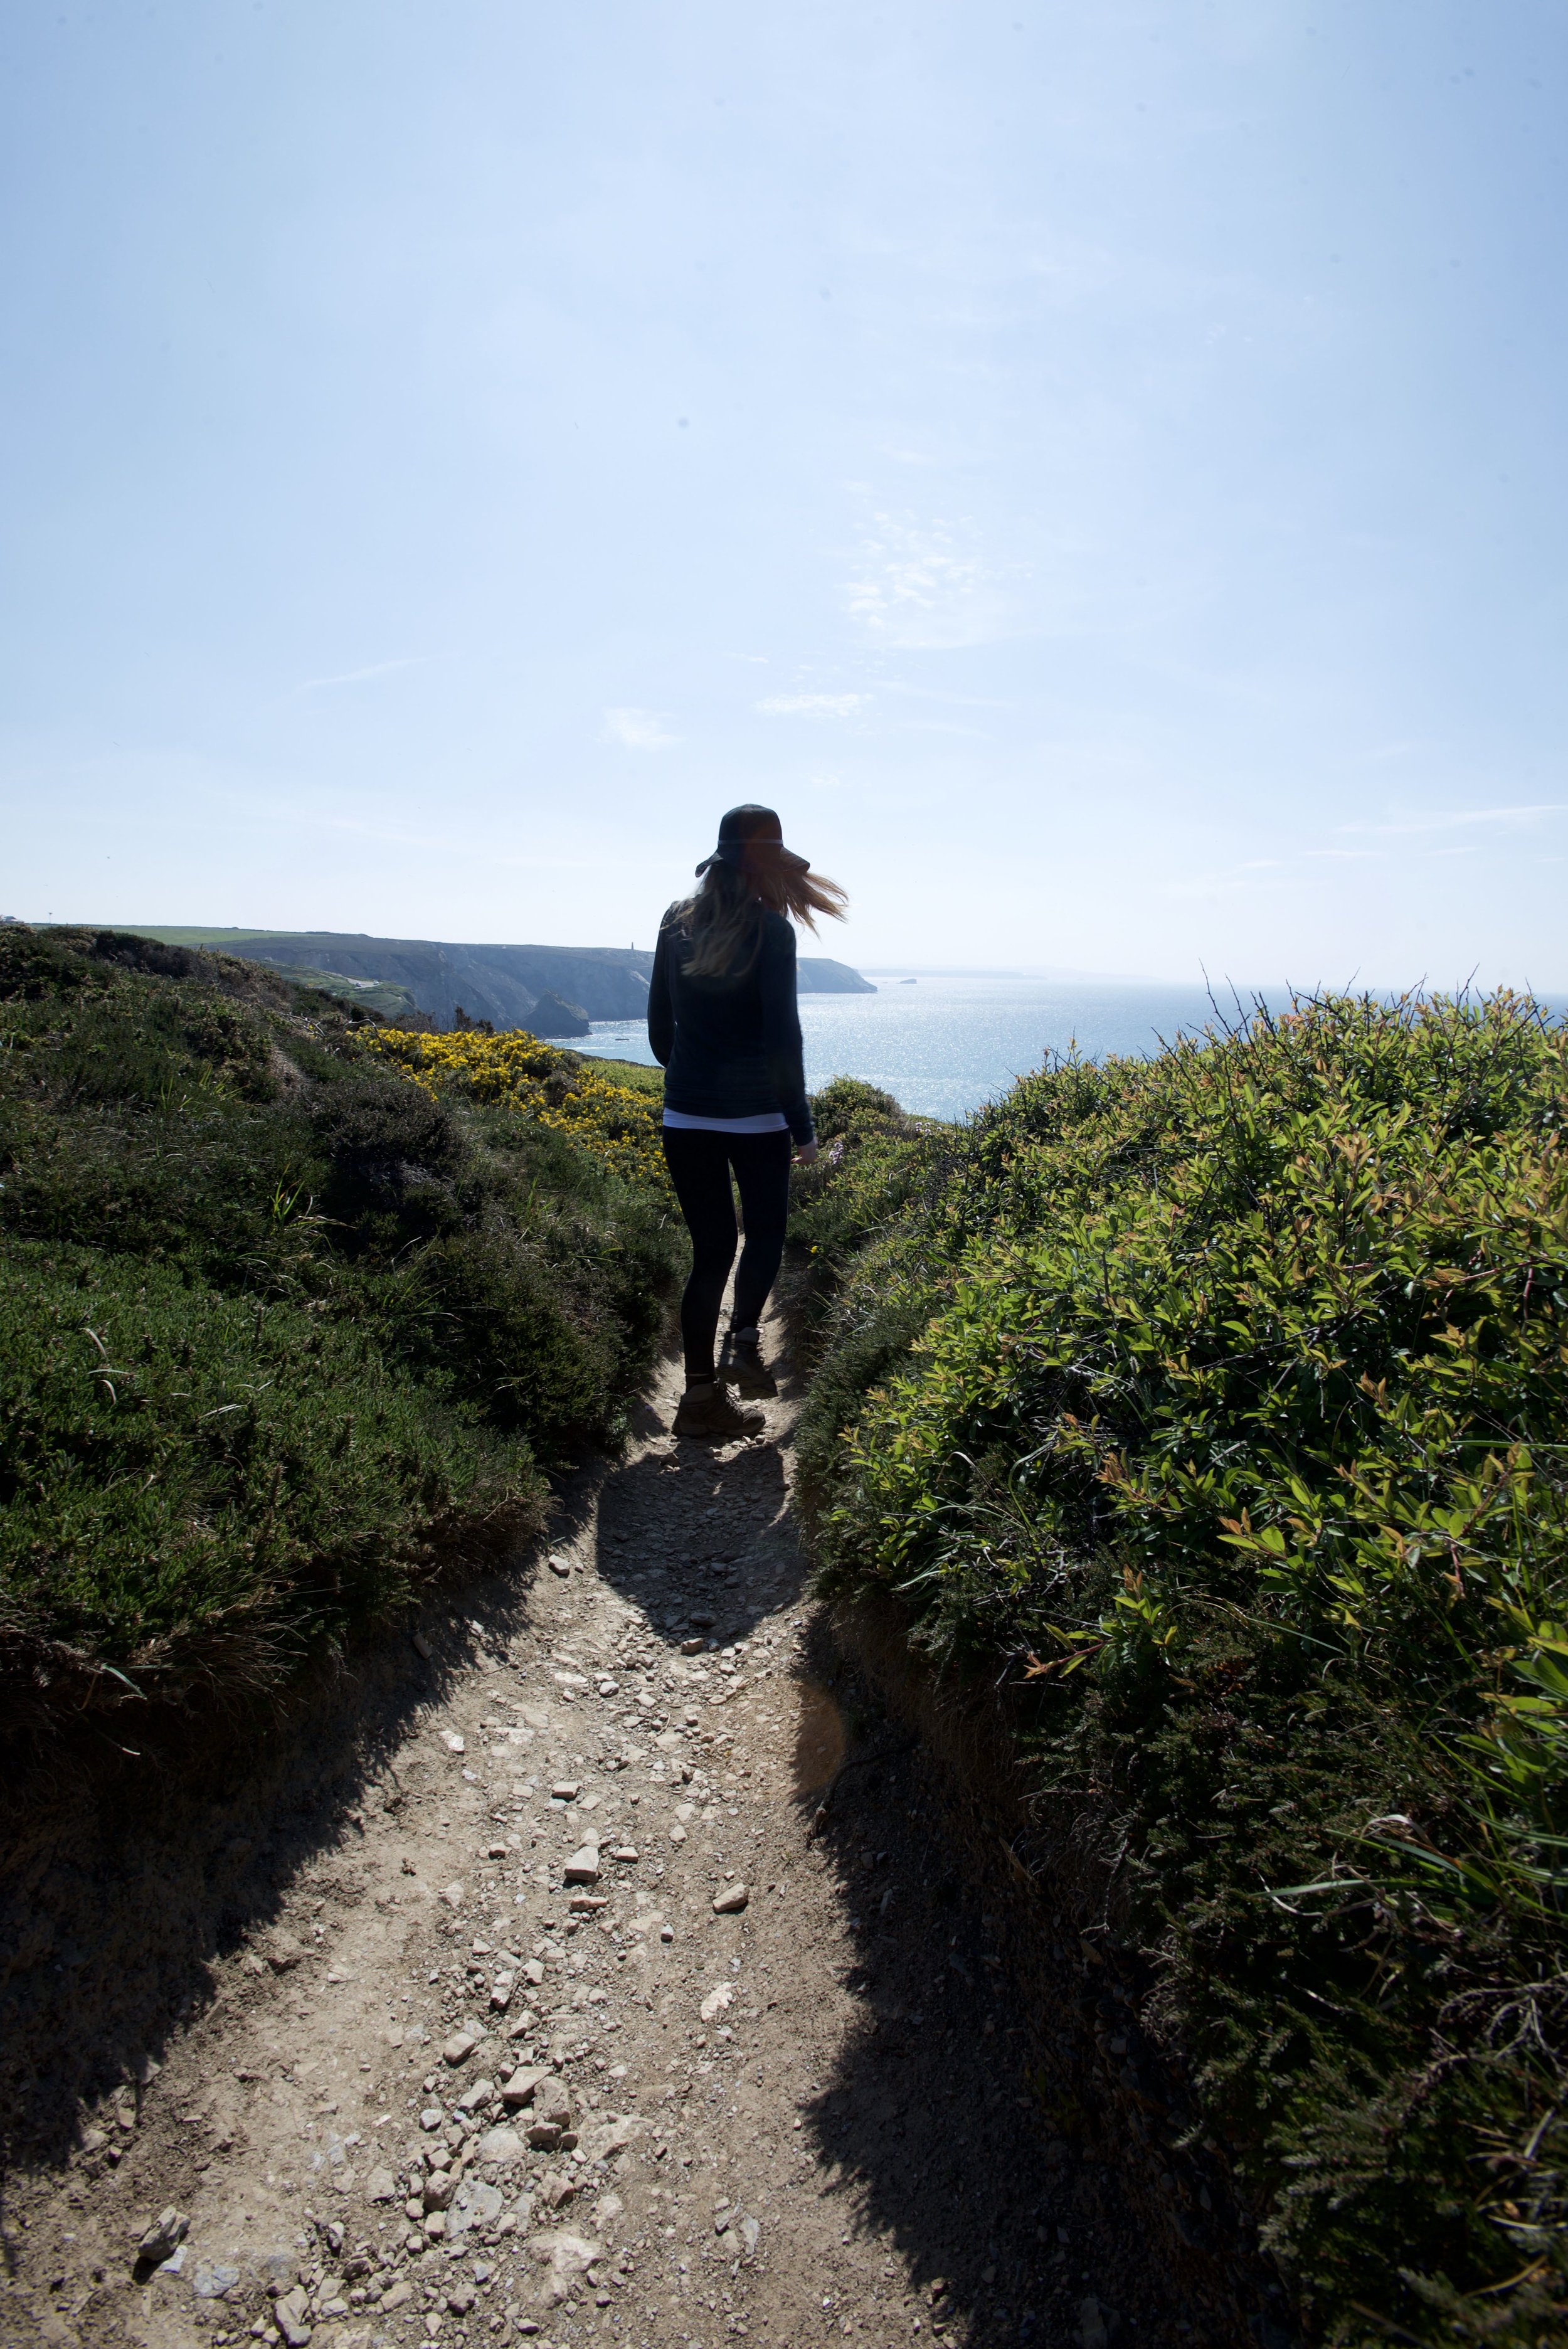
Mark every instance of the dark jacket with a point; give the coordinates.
(730, 1047)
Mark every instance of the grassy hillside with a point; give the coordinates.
(1215, 1407)
(280, 1328)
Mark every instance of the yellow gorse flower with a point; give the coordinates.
(618, 1122)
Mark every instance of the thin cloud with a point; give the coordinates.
(813, 705)
(917, 587)
(637, 730)
(1451, 819)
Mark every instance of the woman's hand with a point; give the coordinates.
(806, 1155)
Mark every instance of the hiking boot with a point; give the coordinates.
(741, 1362)
(712, 1410)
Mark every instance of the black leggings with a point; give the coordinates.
(699, 1165)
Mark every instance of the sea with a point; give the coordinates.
(945, 1043)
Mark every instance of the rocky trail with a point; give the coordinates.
(605, 1974)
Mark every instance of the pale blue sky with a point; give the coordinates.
(1097, 470)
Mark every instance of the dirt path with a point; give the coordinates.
(585, 2021)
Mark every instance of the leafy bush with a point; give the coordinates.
(279, 1329)
(1222, 1396)
(192, 1479)
(872, 1160)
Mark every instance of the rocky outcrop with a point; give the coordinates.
(553, 1015)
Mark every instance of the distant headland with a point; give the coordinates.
(553, 990)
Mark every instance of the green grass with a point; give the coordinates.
(280, 1334)
(185, 935)
(388, 999)
(1217, 1405)
(641, 1079)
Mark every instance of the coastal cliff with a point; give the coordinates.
(502, 984)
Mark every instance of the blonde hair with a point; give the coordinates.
(723, 919)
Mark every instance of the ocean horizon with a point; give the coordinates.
(945, 1043)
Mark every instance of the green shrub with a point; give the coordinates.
(279, 1329)
(1222, 1396)
(189, 1477)
(872, 1160)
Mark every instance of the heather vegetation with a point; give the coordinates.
(281, 1331)
(1215, 1407)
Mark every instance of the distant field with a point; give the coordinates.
(179, 937)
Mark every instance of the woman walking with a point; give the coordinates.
(724, 1027)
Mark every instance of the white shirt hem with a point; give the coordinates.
(771, 1120)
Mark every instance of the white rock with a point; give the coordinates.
(715, 2002)
(731, 1900)
(1092, 2333)
(613, 2136)
(167, 2231)
(291, 2316)
(499, 2144)
(453, 1743)
(476, 2205)
(566, 2256)
(519, 2090)
(553, 2100)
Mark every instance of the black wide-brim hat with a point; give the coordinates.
(743, 827)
